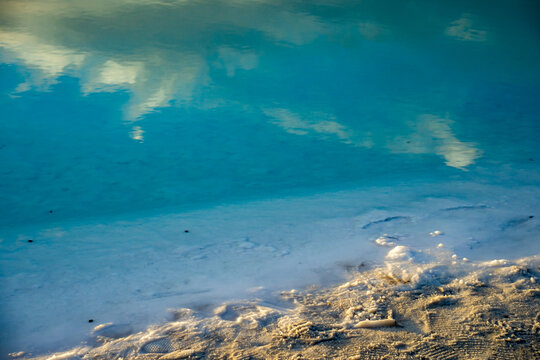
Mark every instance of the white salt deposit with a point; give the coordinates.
(402, 253)
(496, 262)
(386, 240)
(125, 274)
(451, 298)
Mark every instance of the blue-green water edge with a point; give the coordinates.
(161, 154)
(130, 106)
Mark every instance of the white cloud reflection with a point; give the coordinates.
(157, 78)
(150, 89)
(294, 28)
(464, 30)
(45, 62)
(434, 135)
(158, 89)
(314, 123)
(136, 133)
(160, 75)
(234, 59)
(114, 73)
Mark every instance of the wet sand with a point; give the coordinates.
(449, 309)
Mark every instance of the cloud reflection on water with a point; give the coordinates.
(182, 60)
(315, 123)
(463, 29)
(433, 134)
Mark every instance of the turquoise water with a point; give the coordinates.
(285, 137)
(118, 107)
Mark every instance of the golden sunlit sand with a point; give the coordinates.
(444, 310)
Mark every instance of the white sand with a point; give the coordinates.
(450, 311)
(129, 273)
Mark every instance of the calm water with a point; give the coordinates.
(113, 107)
(423, 112)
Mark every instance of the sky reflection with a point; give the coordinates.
(381, 79)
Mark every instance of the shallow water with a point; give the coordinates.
(124, 106)
(117, 114)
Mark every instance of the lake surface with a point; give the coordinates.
(129, 109)
(113, 107)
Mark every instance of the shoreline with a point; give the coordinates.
(130, 272)
(403, 310)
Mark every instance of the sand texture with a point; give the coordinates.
(444, 310)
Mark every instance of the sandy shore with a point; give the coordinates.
(448, 309)
(130, 271)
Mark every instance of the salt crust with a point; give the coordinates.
(419, 304)
(127, 272)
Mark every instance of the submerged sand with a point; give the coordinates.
(449, 309)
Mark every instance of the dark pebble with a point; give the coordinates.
(91, 320)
